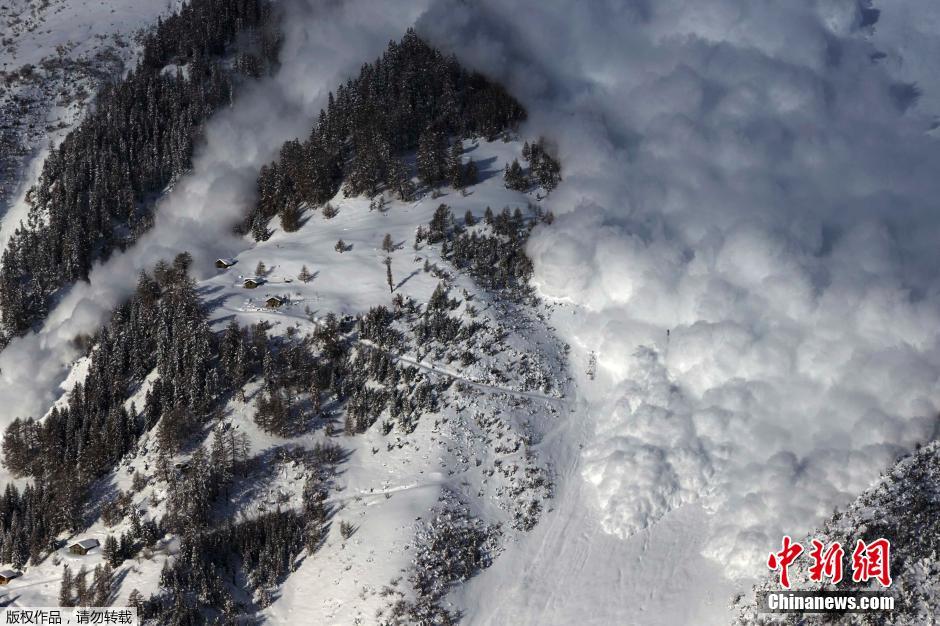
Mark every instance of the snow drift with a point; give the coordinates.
(760, 182)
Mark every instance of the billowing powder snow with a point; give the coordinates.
(758, 181)
(761, 185)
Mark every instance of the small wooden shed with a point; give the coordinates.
(253, 283)
(223, 264)
(275, 302)
(7, 575)
(84, 546)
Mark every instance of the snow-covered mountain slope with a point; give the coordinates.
(477, 453)
(741, 328)
(390, 483)
(54, 55)
(569, 569)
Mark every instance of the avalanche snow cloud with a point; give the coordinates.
(757, 178)
(760, 180)
(324, 44)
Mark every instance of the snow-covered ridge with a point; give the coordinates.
(53, 57)
(476, 453)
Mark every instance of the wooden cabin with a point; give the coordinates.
(253, 283)
(224, 264)
(84, 546)
(7, 575)
(275, 302)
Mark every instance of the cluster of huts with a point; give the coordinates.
(80, 548)
(252, 282)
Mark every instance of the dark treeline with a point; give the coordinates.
(451, 547)
(492, 252)
(200, 576)
(252, 556)
(162, 326)
(310, 379)
(97, 189)
(28, 520)
(412, 98)
(543, 171)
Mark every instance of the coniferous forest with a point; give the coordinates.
(97, 189)
(412, 98)
(96, 194)
(290, 333)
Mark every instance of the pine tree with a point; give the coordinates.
(455, 168)
(399, 180)
(431, 159)
(222, 463)
(305, 276)
(544, 167)
(65, 587)
(260, 269)
(112, 551)
(388, 274)
(81, 587)
(439, 227)
(340, 246)
(471, 174)
(514, 177)
(101, 585)
(20, 547)
(136, 600)
(126, 548)
(290, 218)
(6, 552)
(387, 244)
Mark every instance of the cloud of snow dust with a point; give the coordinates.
(757, 178)
(760, 180)
(325, 43)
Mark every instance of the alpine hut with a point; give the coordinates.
(84, 546)
(7, 575)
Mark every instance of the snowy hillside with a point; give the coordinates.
(54, 55)
(439, 312)
(475, 456)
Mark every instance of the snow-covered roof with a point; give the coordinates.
(254, 279)
(9, 573)
(88, 544)
(225, 260)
